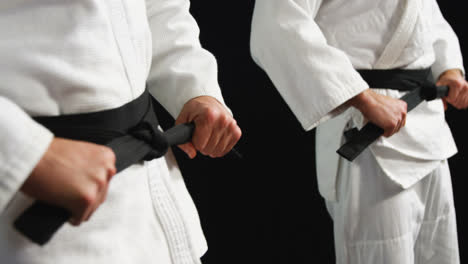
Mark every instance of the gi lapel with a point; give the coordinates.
(329, 134)
(402, 34)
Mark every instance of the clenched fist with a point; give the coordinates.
(216, 131)
(386, 112)
(73, 175)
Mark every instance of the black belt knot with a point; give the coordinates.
(131, 131)
(150, 134)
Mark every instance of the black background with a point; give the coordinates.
(265, 207)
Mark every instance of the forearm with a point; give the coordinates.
(446, 45)
(313, 77)
(181, 68)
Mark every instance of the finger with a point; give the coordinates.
(403, 122)
(111, 171)
(464, 103)
(202, 133)
(214, 145)
(458, 102)
(454, 91)
(96, 194)
(100, 200)
(222, 145)
(183, 118)
(444, 101)
(391, 129)
(92, 207)
(399, 126)
(236, 134)
(231, 143)
(78, 214)
(232, 136)
(388, 132)
(464, 100)
(88, 214)
(189, 149)
(74, 221)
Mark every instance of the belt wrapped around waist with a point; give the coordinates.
(131, 131)
(420, 87)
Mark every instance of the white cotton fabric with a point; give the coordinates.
(311, 48)
(394, 203)
(63, 57)
(386, 224)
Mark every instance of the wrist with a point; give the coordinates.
(361, 100)
(457, 73)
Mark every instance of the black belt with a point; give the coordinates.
(131, 131)
(421, 87)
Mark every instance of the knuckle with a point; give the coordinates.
(211, 115)
(404, 106)
(88, 198)
(234, 128)
(237, 134)
(225, 121)
(197, 144)
(458, 83)
(101, 183)
(108, 154)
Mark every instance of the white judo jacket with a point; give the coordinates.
(310, 50)
(63, 57)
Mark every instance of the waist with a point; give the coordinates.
(102, 126)
(397, 79)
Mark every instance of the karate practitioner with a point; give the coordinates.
(394, 203)
(72, 57)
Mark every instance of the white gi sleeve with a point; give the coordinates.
(22, 144)
(446, 46)
(313, 77)
(181, 69)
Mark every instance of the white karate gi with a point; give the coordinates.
(62, 57)
(310, 49)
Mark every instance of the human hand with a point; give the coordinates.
(216, 132)
(73, 175)
(458, 88)
(386, 112)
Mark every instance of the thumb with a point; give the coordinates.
(189, 149)
(184, 117)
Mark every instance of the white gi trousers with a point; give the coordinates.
(377, 221)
